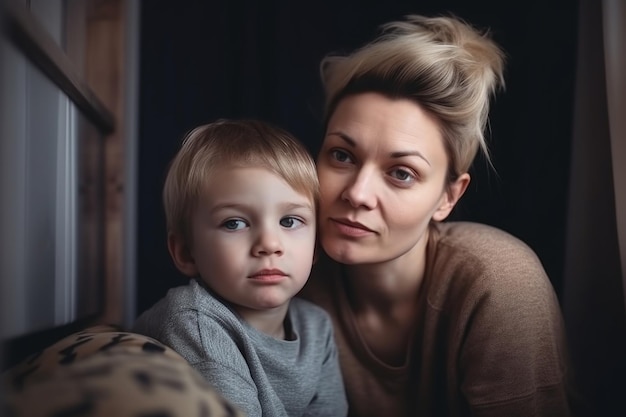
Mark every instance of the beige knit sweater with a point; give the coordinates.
(489, 341)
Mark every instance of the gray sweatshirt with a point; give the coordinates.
(262, 375)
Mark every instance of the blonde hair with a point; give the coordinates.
(441, 63)
(232, 143)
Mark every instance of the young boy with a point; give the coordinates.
(240, 200)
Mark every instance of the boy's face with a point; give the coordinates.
(253, 238)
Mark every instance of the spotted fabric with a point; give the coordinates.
(103, 371)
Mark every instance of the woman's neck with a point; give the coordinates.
(385, 302)
(387, 286)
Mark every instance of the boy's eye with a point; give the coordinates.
(234, 224)
(340, 155)
(290, 222)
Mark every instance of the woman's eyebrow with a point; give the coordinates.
(396, 154)
(401, 154)
(344, 137)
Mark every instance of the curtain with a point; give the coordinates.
(614, 30)
(593, 290)
(556, 154)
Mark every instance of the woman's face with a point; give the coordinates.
(382, 170)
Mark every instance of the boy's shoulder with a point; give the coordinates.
(178, 298)
(302, 306)
(181, 302)
(306, 315)
(312, 324)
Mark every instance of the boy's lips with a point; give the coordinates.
(268, 275)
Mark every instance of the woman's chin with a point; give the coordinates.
(343, 252)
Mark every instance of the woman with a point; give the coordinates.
(432, 318)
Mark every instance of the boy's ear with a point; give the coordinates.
(451, 197)
(181, 255)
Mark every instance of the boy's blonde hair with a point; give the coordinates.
(443, 64)
(232, 143)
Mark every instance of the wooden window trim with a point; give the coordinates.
(36, 44)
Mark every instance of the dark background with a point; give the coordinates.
(202, 60)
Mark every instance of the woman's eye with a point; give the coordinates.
(290, 222)
(234, 224)
(340, 156)
(403, 175)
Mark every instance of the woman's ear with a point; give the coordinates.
(451, 196)
(181, 255)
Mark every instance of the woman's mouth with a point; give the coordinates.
(351, 229)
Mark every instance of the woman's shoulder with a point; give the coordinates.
(480, 242)
(472, 259)
(475, 232)
(488, 279)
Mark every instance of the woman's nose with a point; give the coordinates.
(267, 243)
(360, 191)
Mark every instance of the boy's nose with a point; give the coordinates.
(267, 243)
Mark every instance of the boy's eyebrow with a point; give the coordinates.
(285, 206)
(291, 206)
(397, 154)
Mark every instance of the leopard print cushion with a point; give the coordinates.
(103, 371)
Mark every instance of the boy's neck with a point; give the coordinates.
(272, 322)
